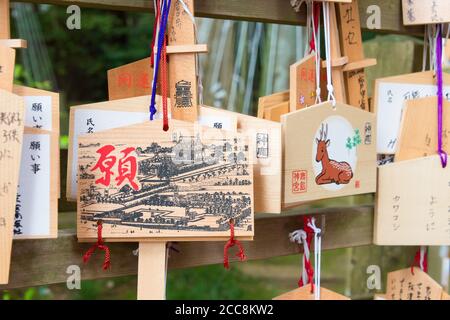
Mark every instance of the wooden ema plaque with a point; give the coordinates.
(131, 80)
(271, 100)
(7, 60)
(328, 153)
(182, 66)
(405, 285)
(352, 48)
(266, 149)
(425, 12)
(275, 112)
(419, 127)
(11, 126)
(304, 293)
(412, 203)
(389, 96)
(264, 141)
(183, 184)
(303, 83)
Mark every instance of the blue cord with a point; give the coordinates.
(162, 32)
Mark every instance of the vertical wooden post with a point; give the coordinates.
(183, 94)
(152, 271)
(182, 66)
(351, 44)
(5, 32)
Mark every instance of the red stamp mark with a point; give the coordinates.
(299, 181)
(357, 184)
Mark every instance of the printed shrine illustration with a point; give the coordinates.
(328, 152)
(143, 182)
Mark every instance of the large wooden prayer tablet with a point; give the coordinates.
(328, 153)
(183, 184)
(302, 82)
(417, 285)
(413, 202)
(11, 127)
(131, 80)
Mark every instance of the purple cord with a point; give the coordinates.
(440, 96)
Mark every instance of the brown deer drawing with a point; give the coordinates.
(332, 171)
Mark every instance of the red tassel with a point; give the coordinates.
(416, 262)
(231, 243)
(164, 74)
(101, 246)
(309, 269)
(312, 44)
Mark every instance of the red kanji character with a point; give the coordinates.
(124, 80)
(311, 76)
(105, 164)
(302, 186)
(144, 81)
(127, 168)
(304, 74)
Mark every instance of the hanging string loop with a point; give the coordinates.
(231, 243)
(326, 26)
(101, 246)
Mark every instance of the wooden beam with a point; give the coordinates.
(273, 11)
(13, 43)
(42, 262)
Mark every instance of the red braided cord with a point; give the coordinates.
(231, 243)
(307, 262)
(417, 262)
(312, 44)
(155, 27)
(164, 85)
(101, 246)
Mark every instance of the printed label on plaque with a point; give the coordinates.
(38, 112)
(33, 212)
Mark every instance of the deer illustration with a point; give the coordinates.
(332, 171)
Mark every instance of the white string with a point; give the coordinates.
(425, 49)
(432, 46)
(326, 26)
(423, 250)
(316, 35)
(299, 236)
(317, 257)
(447, 35)
(309, 22)
(198, 67)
